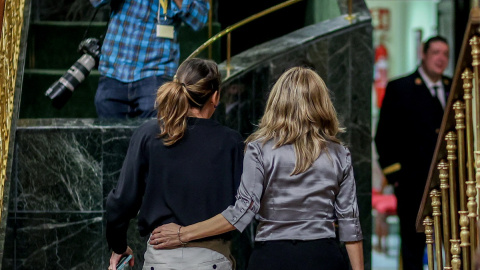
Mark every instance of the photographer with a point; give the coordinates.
(140, 52)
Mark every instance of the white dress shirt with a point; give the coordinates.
(440, 94)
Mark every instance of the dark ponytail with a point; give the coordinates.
(196, 80)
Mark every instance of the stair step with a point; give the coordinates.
(53, 45)
(34, 103)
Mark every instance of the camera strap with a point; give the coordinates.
(90, 23)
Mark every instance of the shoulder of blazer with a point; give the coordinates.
(447, 82)
(406, 83)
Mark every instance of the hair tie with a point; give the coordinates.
(185, 90)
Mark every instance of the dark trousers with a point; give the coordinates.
(323, 254)
(116, 99)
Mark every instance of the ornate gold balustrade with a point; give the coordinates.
(11, 20)
(449, 211)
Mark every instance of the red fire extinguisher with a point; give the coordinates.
(380, 73)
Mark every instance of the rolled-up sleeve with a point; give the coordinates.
(346, 207)
(193, 12)
(124, 201)
(98, 3)
(249, 191)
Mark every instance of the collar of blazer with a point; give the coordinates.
(445, 81)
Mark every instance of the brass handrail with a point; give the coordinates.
(229, 29)
(9, 52)
(237, 25)
(241, 23)
(210, 28)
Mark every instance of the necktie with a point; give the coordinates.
(435, 95)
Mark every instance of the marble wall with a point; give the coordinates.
(62, 172)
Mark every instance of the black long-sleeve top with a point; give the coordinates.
(190, 181)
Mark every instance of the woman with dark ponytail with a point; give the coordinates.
(181, 167)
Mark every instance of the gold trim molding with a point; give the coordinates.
(9, 51)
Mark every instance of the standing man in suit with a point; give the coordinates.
(407, 132)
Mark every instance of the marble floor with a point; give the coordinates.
(387, 260)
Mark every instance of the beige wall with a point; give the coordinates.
(406, 17)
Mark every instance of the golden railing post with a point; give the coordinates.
(467, 96)
(229, 53)
(472, 215)
(210, 30)
(436, 203)
(456, 261)
(443, 175)
(427, 222)
(350, 17)
(465, 239)
(451, 139)
(459, 108)
(474, 43)
(466, 193)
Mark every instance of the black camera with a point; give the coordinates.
(60, 91)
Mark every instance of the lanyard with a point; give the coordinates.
(164, 5)
(164, 31)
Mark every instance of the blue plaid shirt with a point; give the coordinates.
(131, 50)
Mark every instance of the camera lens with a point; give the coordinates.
(60, 91)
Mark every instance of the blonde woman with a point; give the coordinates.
(174, 163)
(297, 182)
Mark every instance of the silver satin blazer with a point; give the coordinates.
(302, 207)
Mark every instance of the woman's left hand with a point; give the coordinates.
(115, 258)
(165, 236)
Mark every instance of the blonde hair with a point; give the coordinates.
(195, 82)
(299, 112)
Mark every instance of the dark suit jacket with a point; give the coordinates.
(407, 131)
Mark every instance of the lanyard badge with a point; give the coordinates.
(164, 30)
